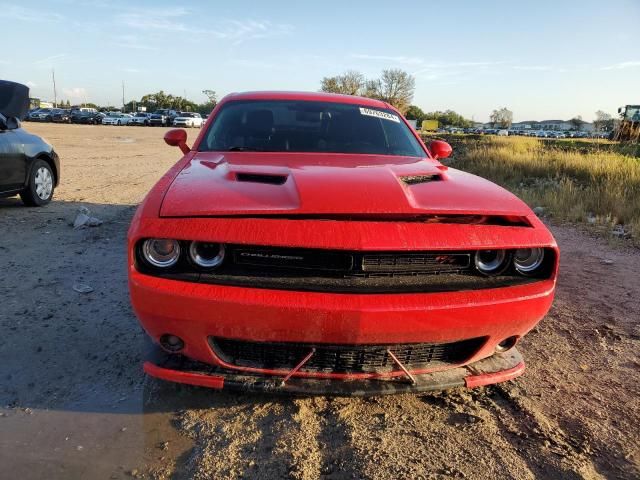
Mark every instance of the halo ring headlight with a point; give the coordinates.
(206, 254)
(161, 252)
(528, 260)
(491, 262)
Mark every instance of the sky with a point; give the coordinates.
(542, 59)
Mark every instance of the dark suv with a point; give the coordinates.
(87, 117)
(61, 116)
(163, 117)
(29, 166)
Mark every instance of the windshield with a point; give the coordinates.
(307, 126)
(633, 113)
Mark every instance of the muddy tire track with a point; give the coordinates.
(547, 449)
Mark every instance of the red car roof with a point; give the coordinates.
(308, 96)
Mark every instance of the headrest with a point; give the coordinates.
(14, 99)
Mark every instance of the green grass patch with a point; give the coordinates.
(595, 182)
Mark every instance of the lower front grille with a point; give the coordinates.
(342, 358)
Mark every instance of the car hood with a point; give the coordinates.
(250, 183)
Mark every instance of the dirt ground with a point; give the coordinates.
(74, 402)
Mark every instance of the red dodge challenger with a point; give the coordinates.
(311, 243)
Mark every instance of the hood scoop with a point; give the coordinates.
(418, 179)
(266, 178)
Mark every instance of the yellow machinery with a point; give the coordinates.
(628, 130)
(429, 125)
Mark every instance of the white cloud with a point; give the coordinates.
(155, 19)
(389, 58)
(623, 65)
(173, 20)
(75, 94)
(244, 63)
(533, 68)
(31, 84)
(31, 15)
(239, 31)
(50, 60)
(436, 70)
(133, 42)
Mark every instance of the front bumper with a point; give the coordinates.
(495, 369)
(196, 312)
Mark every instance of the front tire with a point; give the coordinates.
(39, 191)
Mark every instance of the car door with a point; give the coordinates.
(13, 164)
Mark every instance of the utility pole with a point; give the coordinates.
(55, 93)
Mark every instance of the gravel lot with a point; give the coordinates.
(75, 404)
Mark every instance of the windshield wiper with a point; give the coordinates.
(244, 149)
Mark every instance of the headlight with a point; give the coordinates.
(527, 260)
(491, 262)
(161, 252)
(205, 254)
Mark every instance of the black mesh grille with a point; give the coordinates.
(346, 263)
(415, 262)
(342, 358)
(344, 271)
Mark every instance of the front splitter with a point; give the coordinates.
(494, 369)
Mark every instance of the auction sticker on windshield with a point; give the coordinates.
(377, 113)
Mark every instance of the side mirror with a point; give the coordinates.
(440, 149)
(10, 123)
(13, 123)
(177, 138)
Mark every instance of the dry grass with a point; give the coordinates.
(597, 183)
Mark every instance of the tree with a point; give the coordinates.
(603, 122)
(576, 122)
(155, 101)
(349, 83)
(210, 104)
(211, 95)
(502, 118)
(449, 118)
(415, 113)
(395, 87)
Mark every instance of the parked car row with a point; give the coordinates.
(526, 133)
(558, 134)
(91, 116)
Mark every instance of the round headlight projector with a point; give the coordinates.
(161, 252)
(527, 260)
(491, 262)
(205, 254)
